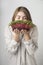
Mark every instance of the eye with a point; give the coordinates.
(25, 17)
(18, 17)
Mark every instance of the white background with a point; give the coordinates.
(7, 9)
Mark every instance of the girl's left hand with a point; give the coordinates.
(26, 35)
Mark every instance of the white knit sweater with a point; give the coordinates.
(22, 54)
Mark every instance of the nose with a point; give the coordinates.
(21, 18)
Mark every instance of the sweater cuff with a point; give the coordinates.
(13, 44)
(12, 47)
(27, 42)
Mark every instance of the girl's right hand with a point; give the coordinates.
(16, 35)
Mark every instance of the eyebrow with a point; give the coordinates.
(19, 15)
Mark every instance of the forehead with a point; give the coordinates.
(21, 13)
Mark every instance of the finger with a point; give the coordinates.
(14, 30)
(25, 31)
(22, 31)
(17, 30)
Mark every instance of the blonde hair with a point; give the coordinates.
(23, 9)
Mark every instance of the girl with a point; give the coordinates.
(21, 48)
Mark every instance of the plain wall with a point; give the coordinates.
(7, 9)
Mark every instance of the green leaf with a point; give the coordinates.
(21, 21)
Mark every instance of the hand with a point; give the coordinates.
(26, 35)
(16, 35)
